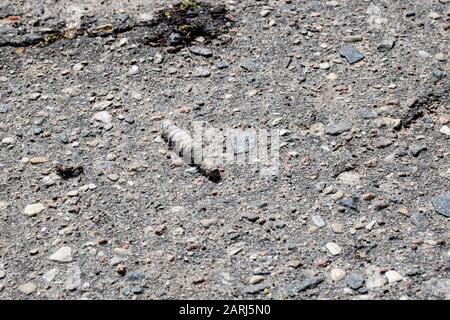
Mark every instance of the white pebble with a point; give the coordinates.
(64, 254)
(393, 276)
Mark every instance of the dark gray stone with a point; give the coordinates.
(441, 204)
(411, 272)
(175, 39)
(355, 281)
(379, 205)
(6, 108)
(38, 130)
(254, 289)
(352, 55)
(104, 166)
(129, 119)
(126, 291)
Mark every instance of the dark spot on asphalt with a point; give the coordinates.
(184, 22)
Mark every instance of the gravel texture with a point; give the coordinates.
(93, 204)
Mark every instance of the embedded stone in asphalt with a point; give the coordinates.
(352, 55)
(441, 204)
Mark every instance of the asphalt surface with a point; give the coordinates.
(94, 203)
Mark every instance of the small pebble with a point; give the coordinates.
(393, 276)
(355, 281)
(294, 263)
(64, 254)
(103, 116)
(201, 51)
(113, 177)
(352, 55)
(256, 279)
(337, 274)
(352, 39)
(134, 70)
(333, 248)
